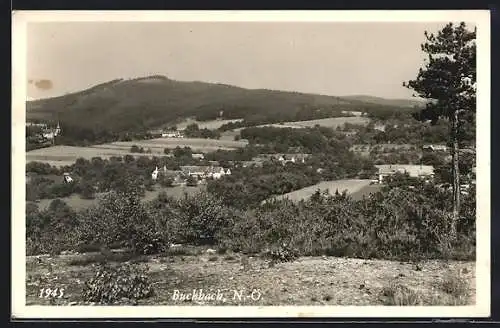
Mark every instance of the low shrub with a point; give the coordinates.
(455, 285)
(400, 295)
(283, 253)
(123, 283)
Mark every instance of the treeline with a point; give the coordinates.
(246, 153)
(306, 140)
(399, 223)
(193, 131)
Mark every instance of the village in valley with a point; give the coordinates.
(312, 199)
(199, 174)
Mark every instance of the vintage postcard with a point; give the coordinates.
(196, 164)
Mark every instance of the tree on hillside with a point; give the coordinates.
(449, 81)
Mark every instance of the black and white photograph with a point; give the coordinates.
(246, 164)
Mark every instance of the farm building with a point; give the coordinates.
(388, 147)
(203, 172)
(198, 156)
(50, 133)
(353, 113)
(435, 147)
(284, 158)
(416, 171)
(40, 125)
(172, 134)
(381, 148)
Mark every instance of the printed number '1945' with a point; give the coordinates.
(51, 292)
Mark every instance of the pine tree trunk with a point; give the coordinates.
(456, 176)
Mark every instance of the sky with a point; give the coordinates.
(327, 58)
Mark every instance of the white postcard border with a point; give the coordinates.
(18, 264)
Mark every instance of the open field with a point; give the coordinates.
(67, 155)
(307, 281)
(211, 125)
(357, 187)
(196, 144)
(332, 122)
(77, 203)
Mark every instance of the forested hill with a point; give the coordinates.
(385, 101)
(123, 105)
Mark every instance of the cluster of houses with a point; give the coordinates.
(415, 171)
(353, 113)
(172, 134)
(387, 147)
(436, 148)
(195, 171)
(47, 133)
(284, 158)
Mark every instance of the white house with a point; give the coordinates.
(435, 147)
(51, 133)
(154, 175)
(172, 134)
(415, 171)
(352, 112)
(198, 156)
(202, 172)
(293, 158)
(67, 178)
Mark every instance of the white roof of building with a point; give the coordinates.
(412, 170)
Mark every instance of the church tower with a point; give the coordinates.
(58, 129)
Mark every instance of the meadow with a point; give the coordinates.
(332, 122)
(66, 155)
(356, 188)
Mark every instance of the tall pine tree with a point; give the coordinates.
(448, 81)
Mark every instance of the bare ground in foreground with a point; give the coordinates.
(306, 281)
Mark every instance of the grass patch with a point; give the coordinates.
(399, 295)
(452, 290)
(456, 287)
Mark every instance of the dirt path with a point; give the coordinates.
(307, 281)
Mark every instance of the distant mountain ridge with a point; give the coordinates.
(387, 101)
(152, 101)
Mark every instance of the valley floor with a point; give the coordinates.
(307, 281)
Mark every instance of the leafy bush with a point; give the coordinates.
(203, 217)
(398, 223)
(123, 219)
(50, 230)
(283, 253)
(110, 285)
